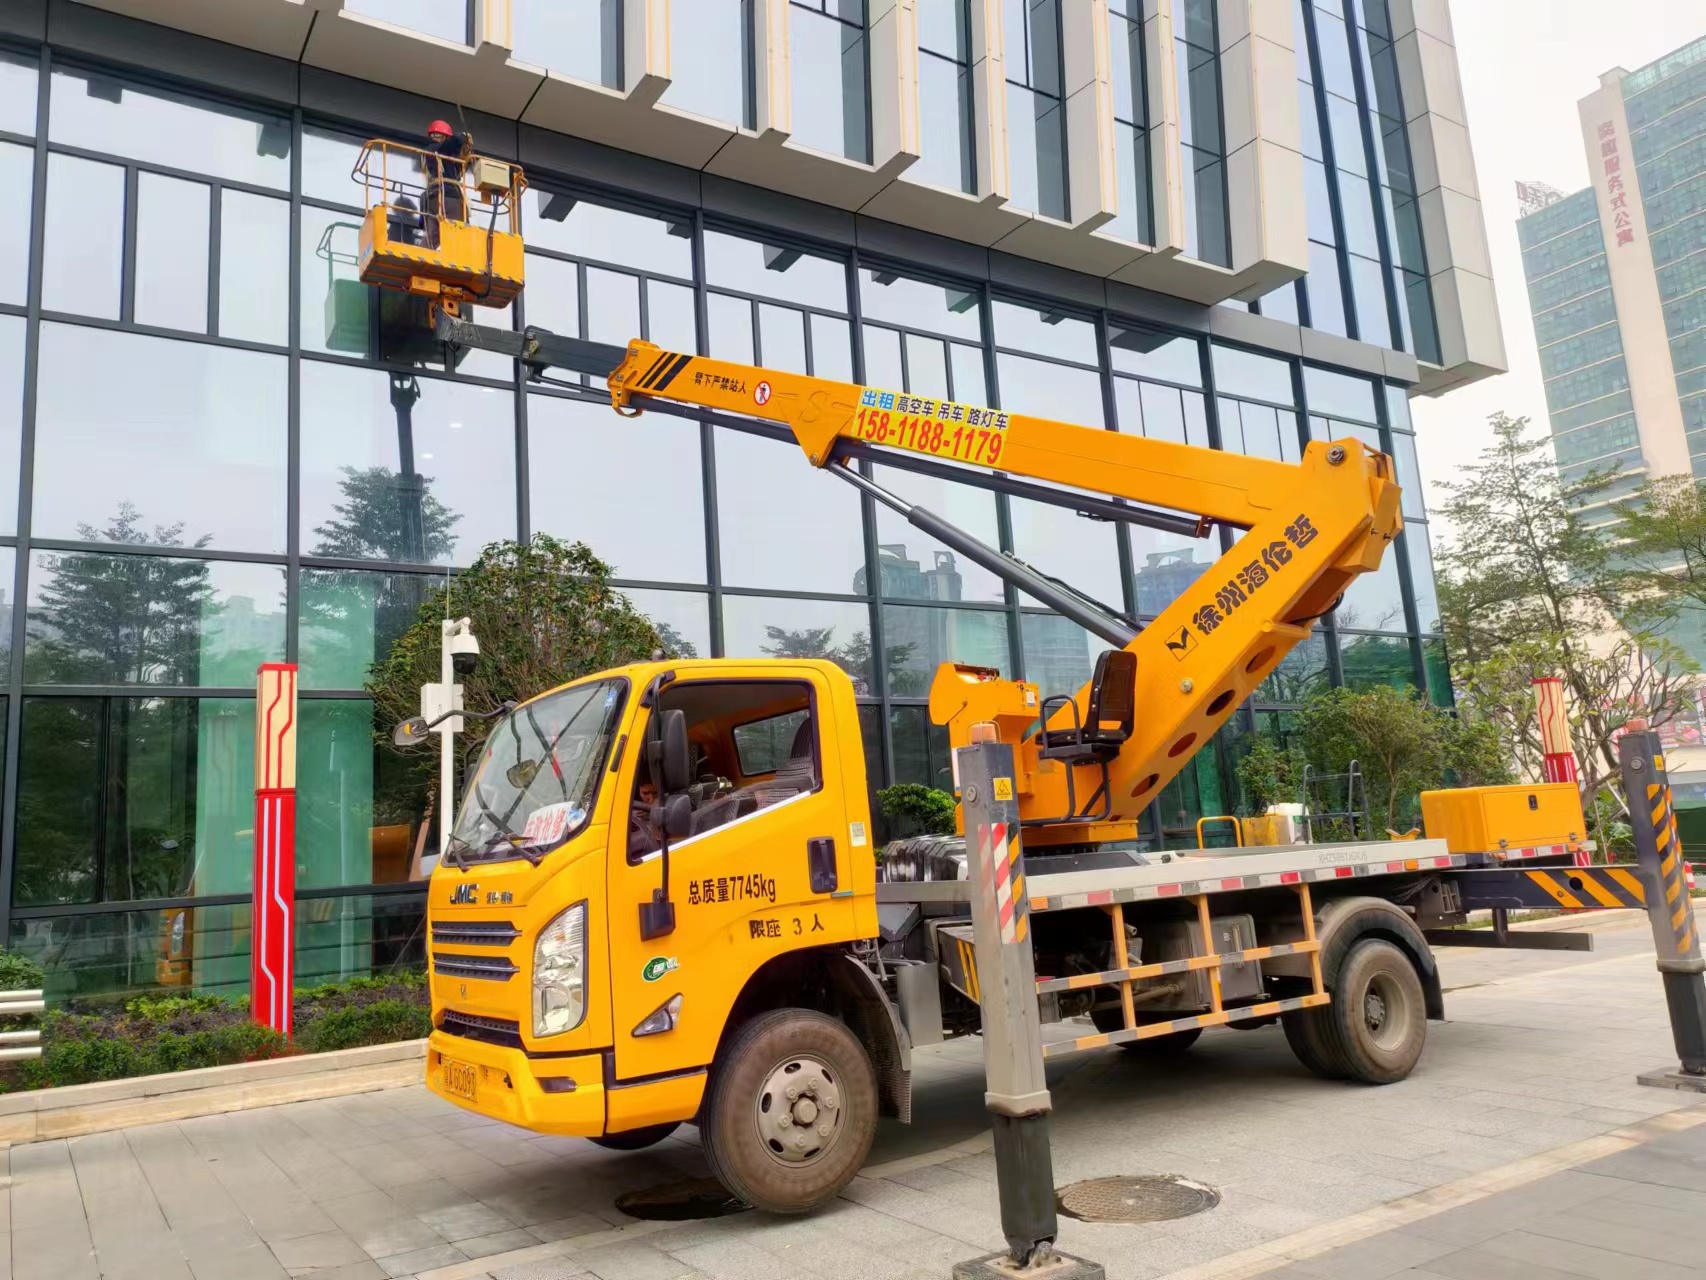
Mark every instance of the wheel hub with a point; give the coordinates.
(798, 1112)
(1374, 1010)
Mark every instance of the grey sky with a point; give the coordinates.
(1525, 65)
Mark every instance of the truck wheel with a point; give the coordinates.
(1378, 1020)
(1304, 1033)
(1160, 1047)
(791, 1111)
(636, 1139)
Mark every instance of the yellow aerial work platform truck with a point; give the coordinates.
(662, 902)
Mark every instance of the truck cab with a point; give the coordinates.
(644, 862)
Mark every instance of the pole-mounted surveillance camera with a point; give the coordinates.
(464, 652)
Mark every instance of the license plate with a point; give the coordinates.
(461, 1079)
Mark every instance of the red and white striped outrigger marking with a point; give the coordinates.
(1001, 859)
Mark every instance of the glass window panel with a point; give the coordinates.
(254, 268)
(11, 425)
(1161, 413)
(731, 327)
(916, 304)
(102, 113)
(579, 38)
(1309, 118)
(830, 99)
(1044, 332)
(363, 818)
(944, 28)
(1205, 208)
(1415, 544)
(1131, 158)
(349, 619)
(446, 19)
(926, 366)
(1339, 394)
(946, 156)
(612, 306)
(775, 271)
(1372, 660)
(574, 451)
(1152, 354)
(1335, 66)
(882, 358)
(682, 619)
(1326, 295)
(1045, 390)
(84, 255)
(18, 95)
(920, 750)
(785, 527)
(710, 59)
(832, 348)
(17, 183)
(1398, 406)
(1374, 601)
(1062, 543)
(1439, 674)
(1281, 304)
(1317, 203)
(1368, 283)
(1409, 476)
(1258, 430)
(191, 439)
(1356, 206)
(1059, 655)
(553, 294)
(1036, 145)
(569, 224)
(1345, 122)
(781, 338)
(172, 790)
(171, 252)
(971, 382)
(115, 619)
(358, 502)
(328, 163)
(670, 321)
(836, 630)
(1244, 373)
(336, 308)
(1301, 674)
(1166, 565)
(920, 640)
(913, 565)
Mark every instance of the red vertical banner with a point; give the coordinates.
(1558, 752)
(273, 950)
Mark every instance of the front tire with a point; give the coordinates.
(791, 1110)
(636, 1139)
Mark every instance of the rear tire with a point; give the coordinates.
(791, 1110)
(1303, 1032)
(1169, 1046)
(636, 1139)
(1374, 1030)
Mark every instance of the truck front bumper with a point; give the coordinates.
(563, 1096)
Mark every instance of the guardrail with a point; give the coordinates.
(19, 1046)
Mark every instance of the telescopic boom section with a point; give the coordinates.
(1309, 528)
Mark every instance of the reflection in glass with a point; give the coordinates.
(1060, 542)
(11, 418)
(710, 57)
(1036, 122)
(784, 527)
(920, 640)
(254, 268)
(1375, 600)
(1044, 332)
(599, 233)
(681, 618)
(554, 295)
(775, 271)
(670, 321)
(1059, 655)
(101, 113)
(140, 619)
(612, 306)
(83, 259)
(1165, 566)
(947, 154)
(731, 321)
(781, 338)
(1414, 541)
(415, 470)
(1372, 660)
(1161, 413)
(121, 799)
(349, 619)
(328, 160)
(920, 749)
(1126, 46)
(835, 630)
(632, 491)
(17, 183)
(933, 308)
(362, 809)
(1339, 395)
(1043, 389)
(580, 40)
(1301, 674)
(171, 252)
(1326, 293)
(1409, 475)
(827, 51)
(914, 566)
(1244, 373)
(18, 94)
(1151, 353)
(190, 436)
(446, 19)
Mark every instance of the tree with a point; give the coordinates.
(374, 520)
(915, 810)
(854, 657)
(1528, 588)
(1270, 774)
(1662, 532)
(544, 612)
(673, 643)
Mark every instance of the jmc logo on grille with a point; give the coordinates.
(463, 895)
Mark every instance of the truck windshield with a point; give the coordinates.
(538, 775)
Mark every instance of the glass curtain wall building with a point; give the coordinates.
(204, 421)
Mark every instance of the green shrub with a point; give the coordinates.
(165, 1008)
(382, 1022)
(917, 811)
(19, 972)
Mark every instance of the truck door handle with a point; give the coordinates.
(820, 862)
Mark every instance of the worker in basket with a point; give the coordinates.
(446, 154)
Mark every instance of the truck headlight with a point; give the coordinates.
(559, 973)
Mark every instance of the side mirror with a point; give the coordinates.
(668, 754)
(411, 732)
(675, 816)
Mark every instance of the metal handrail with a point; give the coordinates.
(1237, 828)
(20, 1046)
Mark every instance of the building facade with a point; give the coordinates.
(1241, 224)
(1617, 281)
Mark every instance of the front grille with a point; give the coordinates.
(470, 1026)
(486, 968)
(474, 933)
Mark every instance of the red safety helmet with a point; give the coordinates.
(439, 126)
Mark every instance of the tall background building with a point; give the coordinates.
(1617, 279)
(1245, 224)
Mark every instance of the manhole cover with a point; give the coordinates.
(681, 1201)
(1149, 1198)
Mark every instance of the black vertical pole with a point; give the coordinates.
(1664, 880)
